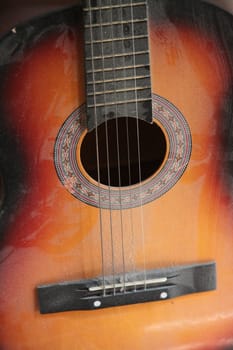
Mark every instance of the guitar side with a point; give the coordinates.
(49, 236)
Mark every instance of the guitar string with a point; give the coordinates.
(118, 153)
(107, 154)
(126, 114)
(138, 149)
(118, 157)
(97, 153)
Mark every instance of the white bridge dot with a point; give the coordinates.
(163, 295)
(97, 303)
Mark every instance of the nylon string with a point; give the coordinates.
(107, 152)
(97, 154)
(138, 148)
(118, 152)
(131, 233)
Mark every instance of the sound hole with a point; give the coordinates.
(129, 151)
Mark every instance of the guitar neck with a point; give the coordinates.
(118, 80)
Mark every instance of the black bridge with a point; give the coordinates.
(131, 288)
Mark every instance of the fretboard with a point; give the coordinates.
(117, 60)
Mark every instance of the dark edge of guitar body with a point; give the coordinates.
(210, 19)
(13, 47)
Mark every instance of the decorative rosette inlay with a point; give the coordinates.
(74, 180)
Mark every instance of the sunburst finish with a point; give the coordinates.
(48, 235)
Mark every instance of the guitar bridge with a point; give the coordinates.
(130, 288)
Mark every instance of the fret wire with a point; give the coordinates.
(117, 39)
(119, 102)
(118, 55)
(120, 90)
(113, 6)
(118, 79)
(114, 23)
(117, 68)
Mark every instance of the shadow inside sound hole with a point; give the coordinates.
(129, 151)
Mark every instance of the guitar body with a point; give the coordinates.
(48, 235)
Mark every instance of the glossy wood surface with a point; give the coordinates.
(50, 236)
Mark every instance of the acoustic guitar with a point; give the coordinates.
(116, 178)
